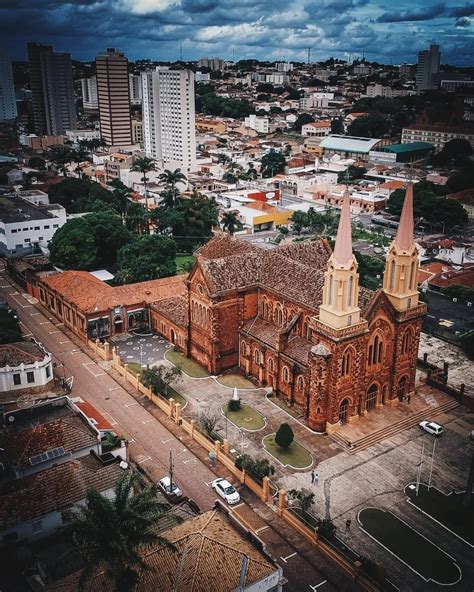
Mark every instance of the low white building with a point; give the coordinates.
(74, 136)
(259, 124)
(316, 129)
(24, 225)
(25, 365)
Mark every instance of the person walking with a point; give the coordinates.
(348, 524)
(408, 399)
(316, 478)
(312, 477)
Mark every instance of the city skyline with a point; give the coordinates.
(162, 29)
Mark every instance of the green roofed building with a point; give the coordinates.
(350, 146)
(401, 153)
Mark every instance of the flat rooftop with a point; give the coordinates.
(15, 209)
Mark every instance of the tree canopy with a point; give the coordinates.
(302, 119)
(210, 104)
(373, 125)
(284, 436)
(81, 195)
(272, 163)
(146, 258)
(10, 330)
(89, 242)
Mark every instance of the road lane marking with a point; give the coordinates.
(168, 440)
(63, 342)
(148, 420)
(130, 404)
(262, 528)
(144, 460)
(59, 324)
(113, 421)
(45, 323)
(317, 585)
(285, 559)
(208, 483)
(100, 374)
(185, 462)
(52, 332)
(87, 363)
(33, 314)
(115, 388)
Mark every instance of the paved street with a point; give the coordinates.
(150, 442)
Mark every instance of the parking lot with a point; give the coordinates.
(145, 349)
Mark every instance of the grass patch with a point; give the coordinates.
(371, 237)
(246, 417)
(172, 393)
(135, 368)
(188, 366)
(446, 509)
(293, 411)
(420, 554)
(237, 380)
(184, 263)
(295, 455)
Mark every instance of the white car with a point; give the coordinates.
(431, 427)
(226, 490)
(170, 490)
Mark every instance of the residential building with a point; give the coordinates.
(213, 551)
(169, 118)
(54, 107)
(259, 124)
(137, 132)
(25, 367)
(466, 199)
(115, 163)
(362, 70)
(437, 135)
(427, 67)
(402, 153)
(75, 136)
(90, 100)
(453, 85)
(278, 79)
(296, 320)
(284, 66)
(135, 89)
(316, 129)
(41, 142)
(202, 77)
(211, 125)
(378, 90)
(212, 63)
(113, 92)
(8, 110)
(24, 225)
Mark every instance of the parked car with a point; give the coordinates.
(170, 490)
(431, 427)
(226, 490)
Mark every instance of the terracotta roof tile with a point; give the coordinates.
(54, 489)
(23, 352)
(175, 309)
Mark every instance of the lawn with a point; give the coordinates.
(188, 366)
(420, 554)
(295, 455)
(293, 411)
(183, 263)
(178, 397)
(236, 380)
(446, 509)
(134, 368)
(246, 417)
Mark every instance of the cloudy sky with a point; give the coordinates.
(387, 31)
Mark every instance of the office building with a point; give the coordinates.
(169, 117)
(113, 92)
(211, 63)
(7, 90)
(90, 102)
(51, 82)
(427, 67)
(137, 132)
(135, 89)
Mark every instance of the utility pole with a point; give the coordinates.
(309, 55)
(171, 472)
(432, 461)
(470, 482)
(420, 467)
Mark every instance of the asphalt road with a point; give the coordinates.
(447, 317)
(150, 441)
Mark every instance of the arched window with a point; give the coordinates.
(412, 275)
(346, 363)
(392, 275)
(286, 374)
(279, 315)
(243, 348)
(375, 351)
(305, 328)
(331, 282)
(256, 356)
(349, 291)
(300, 383)
(406, 342)
(271, 365)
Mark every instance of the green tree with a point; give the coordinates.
(373, 125)
(195, 217)
(137, 218)
(272, 163)
(10, 330)
(284, 436)
(79, 195)
(171, 196)
(79, 155)
(459, 181)
(231, 223)
(60, 157)
(109, 235)
(257, 469)
(304, 497)
(72, 246)
(159, 378)
(144, 165)
(299, 220)
(302, 119)
(36, 162)
(146, 258)
(351, 174)
(337, 126)
(113, 534)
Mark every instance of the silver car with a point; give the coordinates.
(226, 490)
(169, 489)
(431, 427)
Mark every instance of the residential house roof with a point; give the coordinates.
(54, 489)
(22, 352)
(175, 309)
(207, 554)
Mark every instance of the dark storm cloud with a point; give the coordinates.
(417, 14)
(467, 10)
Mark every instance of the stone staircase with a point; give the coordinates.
(383, 433)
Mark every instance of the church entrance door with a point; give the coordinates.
(371, 398)
(343, 411)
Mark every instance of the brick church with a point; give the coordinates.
(296, 319)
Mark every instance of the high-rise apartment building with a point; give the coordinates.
(7, 90)
(169, 116)
(211, 63)
(51, 82)
(135, 89)
(113, 92)
(90, 102)
(427, 67)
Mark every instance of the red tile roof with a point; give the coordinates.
(174, 309)
(23, 352)
(91, 413)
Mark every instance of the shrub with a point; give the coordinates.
(233, 405)
(326, 528)
(256, 469)
(284, 436)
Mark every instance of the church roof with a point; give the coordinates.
(295, 271)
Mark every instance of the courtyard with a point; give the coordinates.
(349, 481)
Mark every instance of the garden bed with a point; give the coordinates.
(295, 455)
(246, 417)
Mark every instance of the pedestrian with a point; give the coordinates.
(408, 399)
(312, 477)
(348, 524)
(316, 478)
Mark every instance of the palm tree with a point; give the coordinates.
(171, 178)
(79, 155)
(144, 164)
(110, 534)
(122, 199)
(230, 222)
(60, 156)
